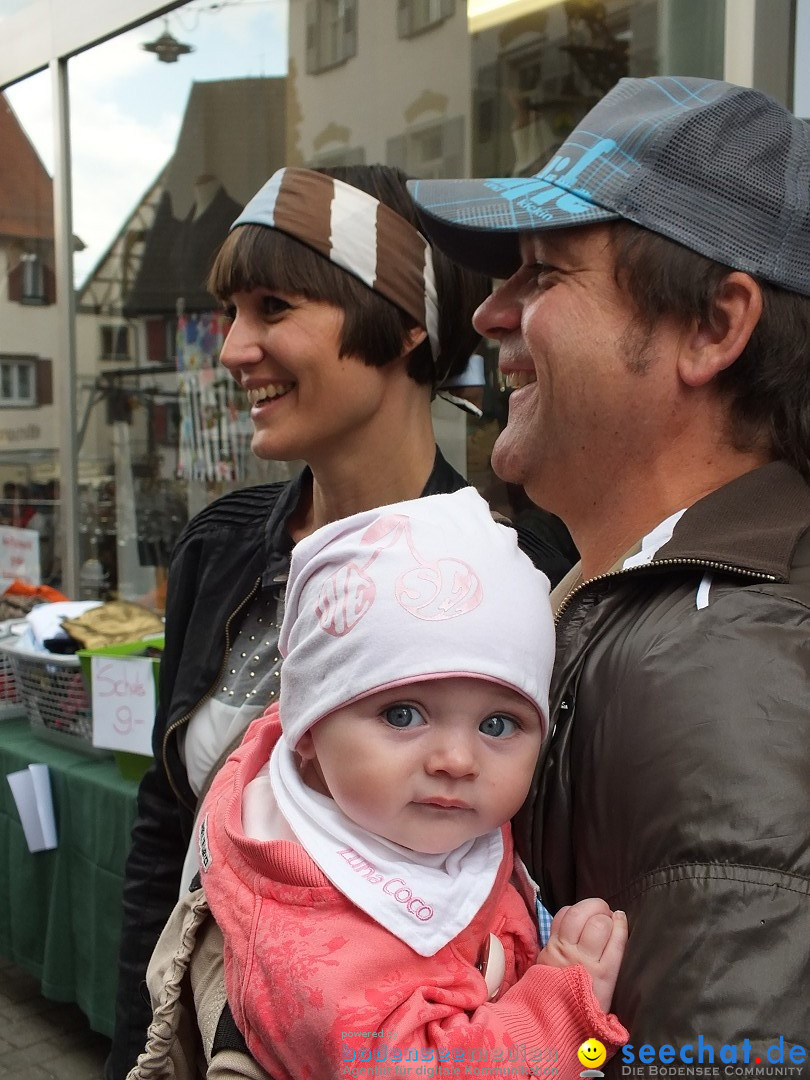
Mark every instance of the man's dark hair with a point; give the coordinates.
(768, 386)
(374, 329)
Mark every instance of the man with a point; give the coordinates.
(654, 323)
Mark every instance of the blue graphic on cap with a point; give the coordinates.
(558, 174)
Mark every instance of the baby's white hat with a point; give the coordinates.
(421, 589)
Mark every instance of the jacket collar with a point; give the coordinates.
(751, 524)
(278, 543)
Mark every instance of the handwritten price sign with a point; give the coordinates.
(123, 703)
(19, 556)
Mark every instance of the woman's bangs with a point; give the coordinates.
(255, 257)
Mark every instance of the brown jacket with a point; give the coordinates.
(676, 783)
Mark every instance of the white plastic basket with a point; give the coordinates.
(11, 703)
(53, 695)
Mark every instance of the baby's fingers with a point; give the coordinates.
(573, 920)
(557, 921)
(617, 941)
(595, 936)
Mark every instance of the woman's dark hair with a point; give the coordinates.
(768, 385)
(374, 329)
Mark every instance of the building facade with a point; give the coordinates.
(436, 87)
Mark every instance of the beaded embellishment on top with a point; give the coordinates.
(254, 665)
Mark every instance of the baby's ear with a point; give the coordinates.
(305, 747)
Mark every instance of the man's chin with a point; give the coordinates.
(508, 459)
(512, 462)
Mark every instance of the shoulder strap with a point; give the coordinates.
(228, 1036)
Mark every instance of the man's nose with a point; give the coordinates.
(241, 345)
(499, 314)
(454, 756)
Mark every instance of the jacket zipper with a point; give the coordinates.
(210, 693)
(705, 563)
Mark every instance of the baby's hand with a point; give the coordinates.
(589, 933)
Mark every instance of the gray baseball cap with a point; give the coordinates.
(722, 169)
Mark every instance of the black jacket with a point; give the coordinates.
(229, 551)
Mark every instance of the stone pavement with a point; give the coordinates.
(41, 1039)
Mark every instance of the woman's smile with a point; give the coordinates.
(269, 392)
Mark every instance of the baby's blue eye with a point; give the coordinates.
(498, 725)
(403, 716)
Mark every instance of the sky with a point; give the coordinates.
(126, 106)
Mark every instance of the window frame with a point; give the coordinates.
(16, 364)
(415, 17)
(116, 332)
(331, 34)
(403, 150)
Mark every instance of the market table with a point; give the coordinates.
(60, 910)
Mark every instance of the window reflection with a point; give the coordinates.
(164, 155)
(162, 431)
(29, 437)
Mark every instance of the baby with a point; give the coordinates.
(356, 850)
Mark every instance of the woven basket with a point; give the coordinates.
(53, 695)
(11, 703)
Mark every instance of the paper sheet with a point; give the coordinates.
(31, 789)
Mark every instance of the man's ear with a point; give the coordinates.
(713, 345)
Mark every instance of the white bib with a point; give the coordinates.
(424, 900)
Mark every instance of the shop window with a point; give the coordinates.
(414, 16)
(115, 344)
(331, 33)
(18, 382)
(430, 152)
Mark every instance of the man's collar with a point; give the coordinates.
(753, 523)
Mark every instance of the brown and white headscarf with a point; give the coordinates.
(356, 232)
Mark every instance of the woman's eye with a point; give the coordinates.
(229, 311)
(273, 305)
(403, 716)
(498, 726)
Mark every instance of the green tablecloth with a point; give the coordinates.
(60, 911)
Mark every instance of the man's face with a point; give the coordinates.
(590, 393)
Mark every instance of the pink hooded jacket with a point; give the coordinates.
(317, 987)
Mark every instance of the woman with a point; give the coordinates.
(344, 323)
